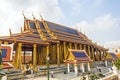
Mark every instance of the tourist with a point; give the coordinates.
(52, 74)
(110, 69)
(99, 68)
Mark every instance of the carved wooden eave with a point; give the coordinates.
(52, 35)
(21, 37)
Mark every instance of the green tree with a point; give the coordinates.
(117, 63)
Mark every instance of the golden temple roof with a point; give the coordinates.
(45, 32)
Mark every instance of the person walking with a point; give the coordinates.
(52, 74)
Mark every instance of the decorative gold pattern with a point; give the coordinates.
(48, 29)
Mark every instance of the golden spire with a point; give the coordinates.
(10, 32)
(90, 40)
(21, 30)
(41, 16)
(33, 16)
(95, 42)
(24, 15)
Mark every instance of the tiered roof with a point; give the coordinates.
(43, 32)
(111, 56)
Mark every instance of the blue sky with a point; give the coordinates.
(98, 19)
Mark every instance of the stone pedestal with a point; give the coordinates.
(88, 66)
(68, 67)
(76, 68)
(82, 66)
(106, 63)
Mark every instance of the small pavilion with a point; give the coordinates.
(78, 58)
(110, 57)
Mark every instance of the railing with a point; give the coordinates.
(42, 71)
(109, 73)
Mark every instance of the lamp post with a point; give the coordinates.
(47, 62)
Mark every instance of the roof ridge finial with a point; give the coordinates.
(24, 15)
(33, 16)
(41, 16)
(21, 30)
(10, 31)
(79, 29)
(84, 32)
(76, 28)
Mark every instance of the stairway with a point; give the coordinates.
(52, 69)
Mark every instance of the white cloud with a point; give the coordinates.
(105, 22)
(76, 8)
(112, 44)
(97, 2)
(11, 12)
(82, 26)
(99, 23)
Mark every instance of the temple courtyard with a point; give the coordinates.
(72, 76)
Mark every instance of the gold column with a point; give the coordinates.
(54, 54)
(104, 52)
(89, 51)
(64, 45)
(47, 50)
(58, 54)
(5, 42)
(67, 48)
(70, 45)
(93, 54)
(85, 47)
(18, 56)
(80, 46)
(100, 53)
(102, 56)
(76, 46)
(44, 54)
(97, 56)
(0, 42)
(34, 56)
(50, 51)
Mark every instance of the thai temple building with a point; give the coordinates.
(42, 38)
